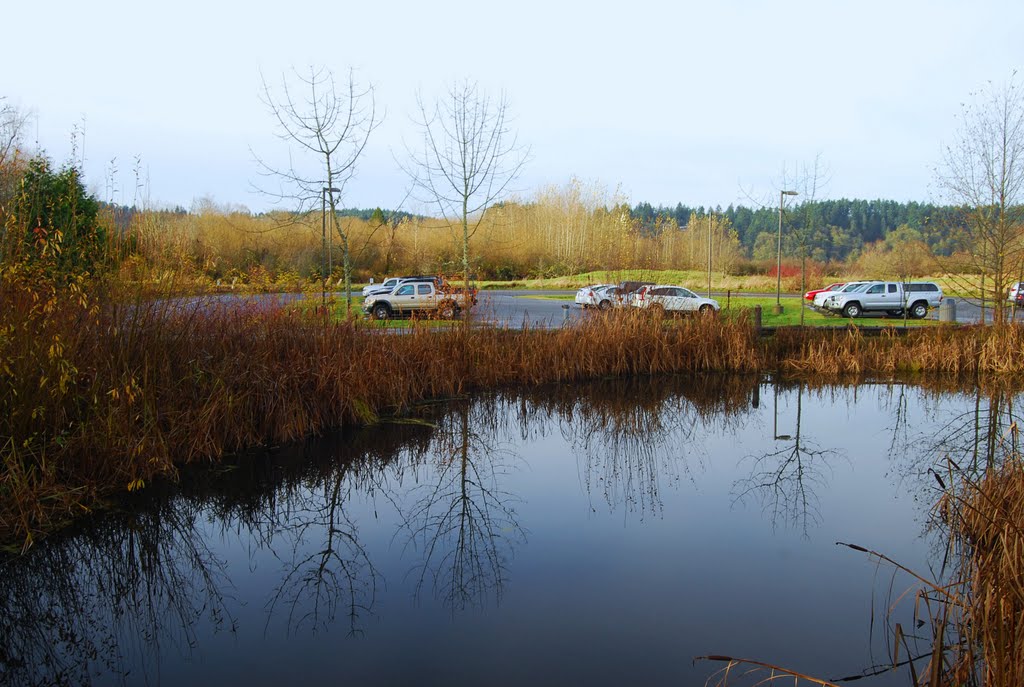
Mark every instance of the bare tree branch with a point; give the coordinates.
(468, 159)
(329, 127)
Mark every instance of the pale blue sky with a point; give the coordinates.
(699, 103)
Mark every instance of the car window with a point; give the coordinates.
(858, 288)
(661, 291)
(891, 288)
(686, 293)
(423, 289)
(405, 290)
(877, 288)
(852, 286)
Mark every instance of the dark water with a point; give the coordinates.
(602, 534)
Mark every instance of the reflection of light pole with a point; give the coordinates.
(778, 258)
(775, 424)
(324, 273)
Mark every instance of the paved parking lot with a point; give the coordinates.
(539, 309)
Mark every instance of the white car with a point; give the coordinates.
(1015, 289)
(849, 287)
(595, 296)
(385, 286)
(673, 299)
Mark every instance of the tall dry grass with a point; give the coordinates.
(985, 517)
(561, 230)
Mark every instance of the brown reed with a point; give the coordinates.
(986, 520)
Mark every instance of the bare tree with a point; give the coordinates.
(809, 182)
(982, 172)
(328, 125)
(469, 158)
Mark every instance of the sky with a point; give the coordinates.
(701, 103)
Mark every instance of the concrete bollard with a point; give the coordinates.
(565, 313)
(947, 310)
(757, 320)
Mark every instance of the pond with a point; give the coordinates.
(599, 534)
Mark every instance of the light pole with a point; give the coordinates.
(710, 223)
(778, 257)
(324, 273)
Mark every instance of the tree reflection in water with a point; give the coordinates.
(464, 526)
(631, 436)
(969, 442)
(110, 598)
(785, 480)
(297, 511)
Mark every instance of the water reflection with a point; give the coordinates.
(330, 536)
(114, 597)
(974, 436)
(631, 437)
(464, 525)
(786, 480)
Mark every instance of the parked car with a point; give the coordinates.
(595, 296)
(831, 287)
(389, 284)
(849, 287)
(676, 299)
(888, 297)
(423, 296)
(1014, 295)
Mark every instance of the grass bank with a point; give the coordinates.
(100, 395)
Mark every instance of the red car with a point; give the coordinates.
(831, 287)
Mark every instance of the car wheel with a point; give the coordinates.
(706, 310)
(605, 304)
(919, 310)
(851, 310)
(447, 310)
(381, 311)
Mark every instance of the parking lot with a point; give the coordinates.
(545, 309)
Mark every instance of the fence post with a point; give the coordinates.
(757, 320)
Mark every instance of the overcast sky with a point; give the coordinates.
(702, 103)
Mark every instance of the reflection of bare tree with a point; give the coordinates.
(464, 524)
(112, 597)
(976, 438)
(337, 570)
(785, 479)
(296, 507)
(635, 435)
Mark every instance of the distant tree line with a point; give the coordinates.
(837, 230)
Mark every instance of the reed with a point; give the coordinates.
(985, 517)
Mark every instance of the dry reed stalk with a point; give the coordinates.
(989, 517)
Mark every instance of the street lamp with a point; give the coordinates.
(778, 258)
(711, 218)
(324, 274)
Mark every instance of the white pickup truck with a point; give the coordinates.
(887, 297)
(424, 297)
